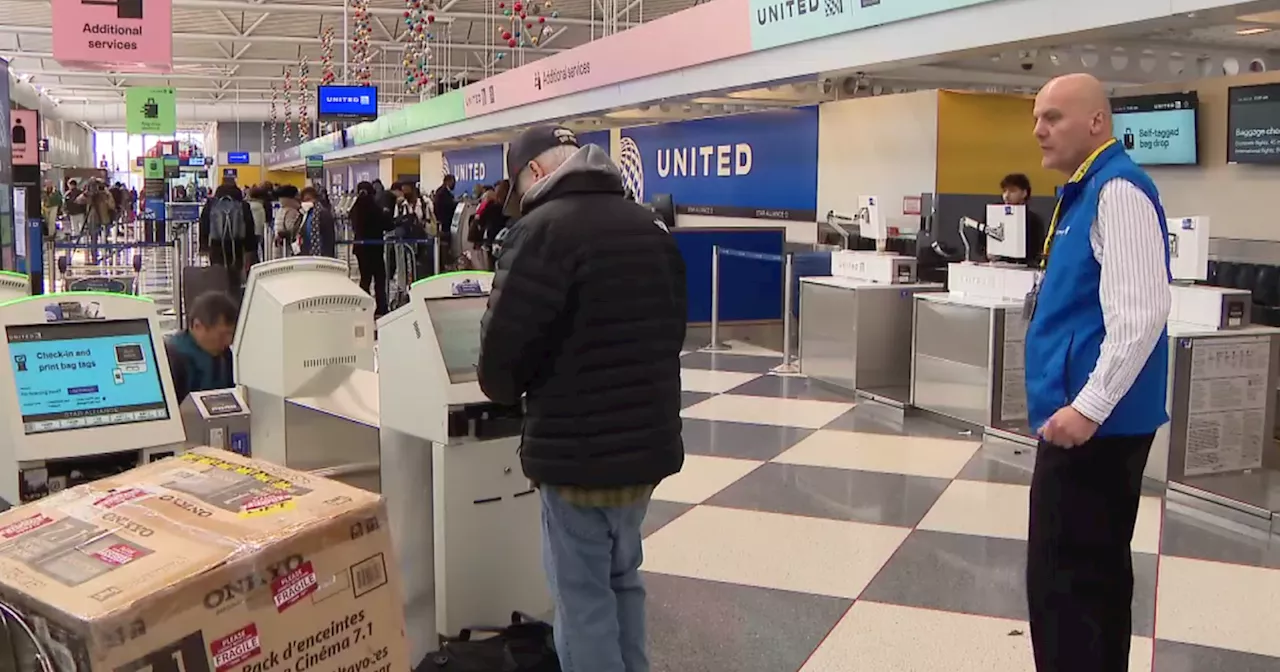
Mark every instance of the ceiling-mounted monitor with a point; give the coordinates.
(346, 103)
(1253, 124)
(1158, 130)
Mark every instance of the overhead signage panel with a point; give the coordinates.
(775, 23)
(151, 110)
(345, 103)
(473, 166)
(117, 35)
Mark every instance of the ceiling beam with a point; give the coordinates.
(273, 39)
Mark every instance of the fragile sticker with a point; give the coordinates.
(116, 498)
(118, 554)
(21, 527)
(268, 503)
(293, 587)
(236, 648)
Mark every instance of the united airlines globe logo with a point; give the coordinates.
(632, 167)
(444, 166)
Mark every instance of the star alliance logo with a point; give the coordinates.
(834, 7)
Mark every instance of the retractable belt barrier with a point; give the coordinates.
(788, 273)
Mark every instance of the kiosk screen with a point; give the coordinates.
(85, 374)
(457, 325)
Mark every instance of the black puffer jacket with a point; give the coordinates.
(587, 318)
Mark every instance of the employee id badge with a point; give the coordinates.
(1029, 301)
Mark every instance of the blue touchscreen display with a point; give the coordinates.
(85, 374)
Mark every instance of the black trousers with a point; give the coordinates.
(1084, 504)
(373, 270)
(230, 257)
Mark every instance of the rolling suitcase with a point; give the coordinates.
(198, 280)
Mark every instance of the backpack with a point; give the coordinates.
(523, 646)
(226, 219)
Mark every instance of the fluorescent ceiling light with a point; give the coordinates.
(1253, 31)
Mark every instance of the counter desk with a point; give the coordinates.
(854, 335)
(1218, 446)
(967, 357)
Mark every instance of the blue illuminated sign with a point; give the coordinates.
(478, 165)
(347, 102)
(237, 158)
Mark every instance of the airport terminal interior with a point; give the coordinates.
(858, 198)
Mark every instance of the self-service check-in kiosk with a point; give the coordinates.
(88, 389)
(465, 520)
(14, 285)
(218, 419)
(304, 356)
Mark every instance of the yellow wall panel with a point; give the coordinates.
(283, 177)
(405, 165)
(983, 137)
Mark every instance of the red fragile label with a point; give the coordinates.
(291, 588)
(118, 554)
(119, 497)
(235, 648)
(266, 501)
(24, 526)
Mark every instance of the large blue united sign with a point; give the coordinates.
(476, 165)
(761, 166)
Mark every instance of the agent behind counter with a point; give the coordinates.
(200, 355)
(1015, 189)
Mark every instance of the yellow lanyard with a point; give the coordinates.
(1079, 175)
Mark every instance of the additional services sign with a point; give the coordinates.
(24, 131)
(151, 109)
(774, 23)
(125, 35)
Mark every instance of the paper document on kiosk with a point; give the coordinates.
(212, 562)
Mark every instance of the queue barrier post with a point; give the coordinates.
(788, 321)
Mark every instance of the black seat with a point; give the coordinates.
(1246, 277)
(1266, 289)
(1211, 277)
(1227, 271)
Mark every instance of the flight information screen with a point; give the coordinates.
(85, 374)
(456, 322)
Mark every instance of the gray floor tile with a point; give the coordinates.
(688, 398)
(660, 513)
(740, 440)
(982, 576)
(1179, 657)
(1000, 463)
(789, 387)
(879, 419)
(704, 626)
(1186, 536)
(721, 362)
(841, 494)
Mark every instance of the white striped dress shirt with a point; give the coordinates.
(1134, 292)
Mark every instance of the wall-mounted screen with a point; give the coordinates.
(81, 375)
(1253, 124)
(456, 322)
(347, 103)
(237, 158)
(1157, 130)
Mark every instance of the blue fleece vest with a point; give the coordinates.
(1064, 338)
(204, 372)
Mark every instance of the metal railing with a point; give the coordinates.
(788, 280)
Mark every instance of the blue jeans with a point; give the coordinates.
(592, 558)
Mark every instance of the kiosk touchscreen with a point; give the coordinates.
(304, 356)
(1007, 231)
(88, 389)
(465, 521)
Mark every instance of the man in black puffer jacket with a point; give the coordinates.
(586, 321)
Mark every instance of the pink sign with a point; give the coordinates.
(123, 35)
(24, 131)
(704, 33)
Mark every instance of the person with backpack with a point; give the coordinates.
(76, 205)
(226, 232)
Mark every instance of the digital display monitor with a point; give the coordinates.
(1157, 130)
(456, 322)
(1253, 124)
(347, 103)
(237, 158)
(79, 375)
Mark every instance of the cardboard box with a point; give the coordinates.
(207, 562)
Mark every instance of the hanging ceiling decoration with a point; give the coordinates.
(288, 104)
(360, 43)
(304, 100)
(525, 24)
(272, 119)
(419, 19)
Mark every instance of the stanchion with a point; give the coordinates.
(715, 345)
(788, 321)
(180, 243)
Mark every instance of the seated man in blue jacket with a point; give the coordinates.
(200, 356)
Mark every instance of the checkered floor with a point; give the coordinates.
(809, 533)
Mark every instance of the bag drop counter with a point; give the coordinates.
(854, 335)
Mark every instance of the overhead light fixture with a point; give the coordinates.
(1257, 30)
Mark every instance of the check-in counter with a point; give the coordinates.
(852, 332)
(967, 362)
(1218, 446)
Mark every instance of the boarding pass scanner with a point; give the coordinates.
(87, 391)
(218, 419)
(465, 520)
(304, 356)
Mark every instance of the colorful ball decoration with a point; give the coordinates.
(288, 104)
(304, 101)
(360, 41)
(271, 119)
(419, 17)
(327, 76)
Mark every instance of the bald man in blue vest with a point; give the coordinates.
(1097, 366)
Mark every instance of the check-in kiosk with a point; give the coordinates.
(304, 356)
(14, 285)
(88, 391)
(218, 419)
(465, 521)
